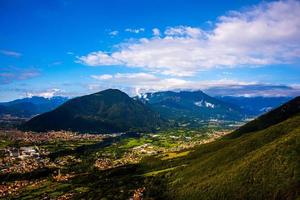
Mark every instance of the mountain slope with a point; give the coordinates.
(29, 107)
(190, 105)
(271, 118)
(263, 164)
(107, 111)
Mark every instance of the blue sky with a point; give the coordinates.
(78, 47)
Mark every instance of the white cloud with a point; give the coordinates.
(103, 77)
(138, 30)
(147, 81)
(129, 78)
(261, 35)
(94, 58)
(141, 80)
(114, 33)
(47, 94)
(136, 83)
(156, 32)
(185, 31)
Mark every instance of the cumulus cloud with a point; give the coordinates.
(11, 53)
(47, 94)
(184, 31)
(156, 32)
(261, 35)
(94, 58)
(138, 30)
(103, 77)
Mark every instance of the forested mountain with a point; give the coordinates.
(190, 105)
(103, 112)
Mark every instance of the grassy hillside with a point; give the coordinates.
(273, 117)
(256, 165)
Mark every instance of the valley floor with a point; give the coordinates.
(66, 165)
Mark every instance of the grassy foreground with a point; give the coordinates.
(257, 165)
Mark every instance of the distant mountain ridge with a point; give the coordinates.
(179, 106)
(31, 106)
(103, 112)
(190, 105)
(254, 106)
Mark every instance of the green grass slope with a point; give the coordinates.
(264, 164)
(273, 117)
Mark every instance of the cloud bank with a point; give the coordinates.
(261, 35)
(136, 83)
(46, 94)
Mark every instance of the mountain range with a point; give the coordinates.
(114, 111)
(196, 105)
(29, 107)
(190, 106)
(184, 105)
(103, 112)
